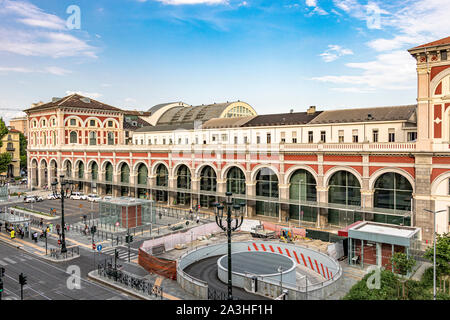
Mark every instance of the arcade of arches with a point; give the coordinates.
(391, 194)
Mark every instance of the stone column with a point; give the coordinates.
(422, 199)
(116, 188)
(172, 195)
(195, 184)
(284, 208)
(251, 204)
(322, 213)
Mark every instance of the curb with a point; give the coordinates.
(21, 247)
(92, 275)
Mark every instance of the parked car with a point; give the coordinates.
(78, 196)
(54, 196)
(93, 198)
(29, 199)
(38, 198)
(107, 198)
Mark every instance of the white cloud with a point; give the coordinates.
(48, 70)
(391, 71)
(29, 31)
(317, 9)
(334, 52)
(190, 2)
(93, 95)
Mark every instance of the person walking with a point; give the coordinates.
(198, 219)
(51, 227)
(13, 235)
(1, 227)
(58, 231)
(41, 223)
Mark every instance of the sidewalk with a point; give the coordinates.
(35, 248)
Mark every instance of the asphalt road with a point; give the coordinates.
(72, 211)
(48, 281)
(206, 270)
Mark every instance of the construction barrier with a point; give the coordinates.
(163, 267)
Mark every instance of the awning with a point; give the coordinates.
(344, 232)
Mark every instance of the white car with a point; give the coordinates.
(29, 199)
(93, 198)
(53, 196)
(107, 198)
(78, 196)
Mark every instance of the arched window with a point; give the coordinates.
(109, 172)
(162, 180)
(142, 174)
(236, 181)
(208, 182)
(73, 137)
(302, 189)
(68, 169)
(110, 138)
(81, 170)
(92, 138)
(183, 182)
(344, 188)
(267, 186)
(393, 191)
(94, 171)
(125, 173)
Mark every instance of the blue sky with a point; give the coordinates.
(275, 55)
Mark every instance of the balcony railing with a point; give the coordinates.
(217, 148)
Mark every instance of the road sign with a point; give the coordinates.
(93, 246)
(99, 247)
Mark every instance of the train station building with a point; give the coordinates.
(321, 168)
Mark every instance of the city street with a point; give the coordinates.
(48, 281)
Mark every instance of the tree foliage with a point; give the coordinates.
(442, 254)
(5, 160)
(402, 263)
(23, 150)
(3, 131)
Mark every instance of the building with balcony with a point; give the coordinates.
(320, 168)
(11, 144)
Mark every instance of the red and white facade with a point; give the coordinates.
(424, 162)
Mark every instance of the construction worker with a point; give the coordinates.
(13, 234)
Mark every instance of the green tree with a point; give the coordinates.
(23, 150)
(442, 253)
(402, 263)
(3, 131)
(5, 160)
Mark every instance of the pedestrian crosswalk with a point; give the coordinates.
(123, 253)
(5, 261)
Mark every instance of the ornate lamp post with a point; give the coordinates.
(54, 188)
(228, 227)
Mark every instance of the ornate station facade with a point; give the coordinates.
(323, 169)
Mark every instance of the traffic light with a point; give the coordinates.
(1, 285)
(2, 272)
(22, 279)
(128, 238)
(116, 255)
(93, 229)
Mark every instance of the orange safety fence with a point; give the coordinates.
(296, 231)
(163, 267)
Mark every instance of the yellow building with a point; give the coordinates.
(11, 144)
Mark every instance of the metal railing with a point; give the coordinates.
(141, 285)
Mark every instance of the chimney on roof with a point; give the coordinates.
(54, 99)
(311, 110)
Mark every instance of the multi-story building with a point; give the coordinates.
(20, 124)
(11, 144)
(325, 169)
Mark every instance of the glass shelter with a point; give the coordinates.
(128, 212)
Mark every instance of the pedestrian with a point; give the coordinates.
(51, 227)
(22, 234)
(13, 235)
(198, 219)
(1, 227)
(58, 227)
(48, 229)
(41, 223)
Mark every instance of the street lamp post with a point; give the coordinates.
(434, 249)
(63, 183)
(239, 218)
